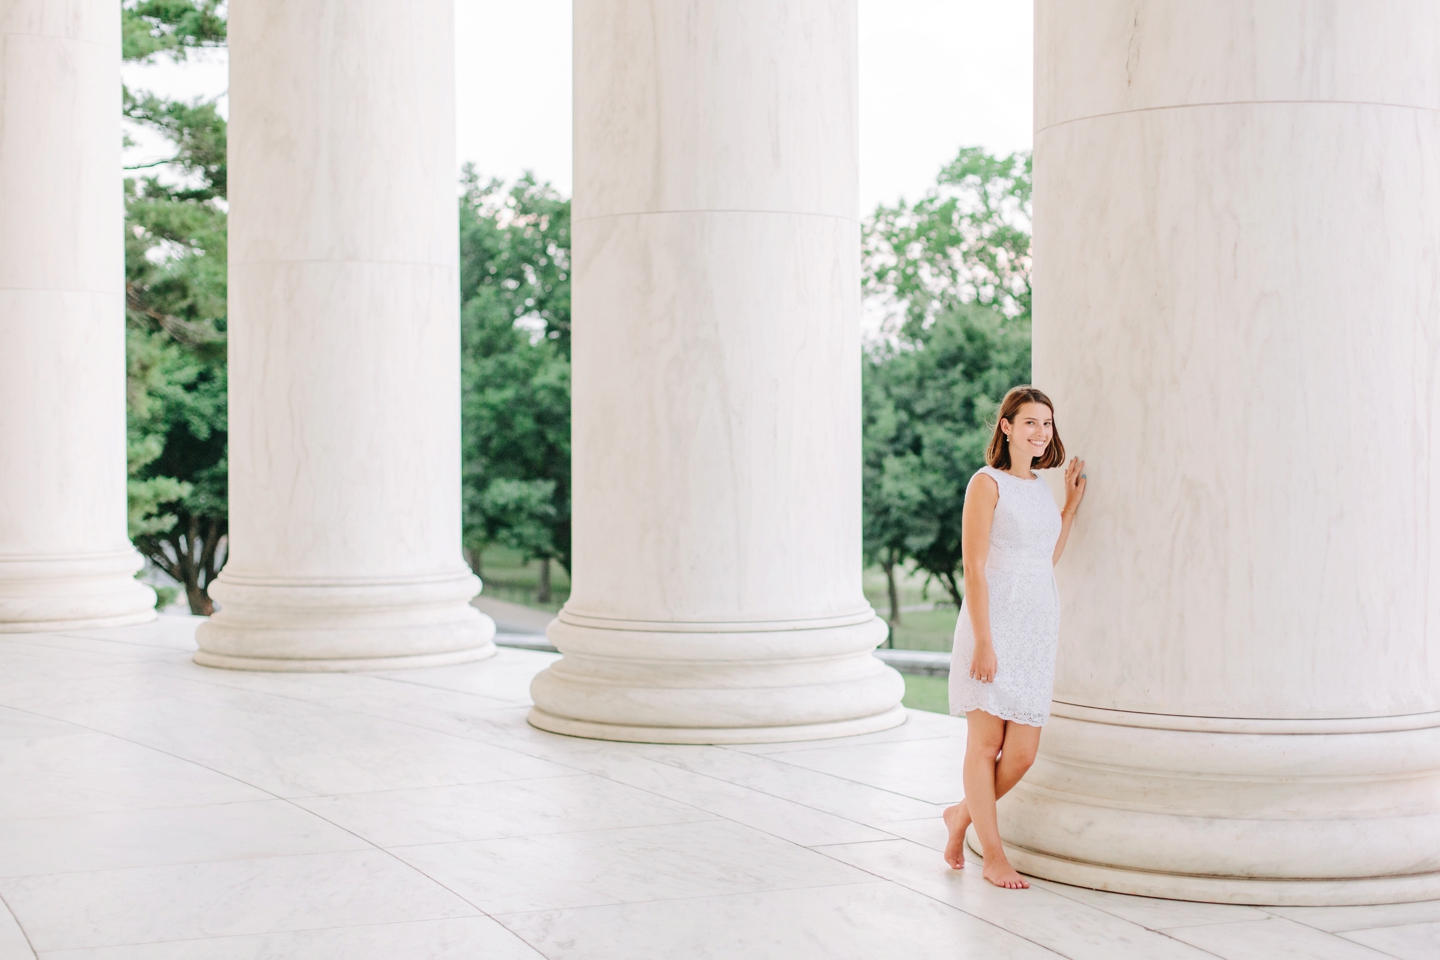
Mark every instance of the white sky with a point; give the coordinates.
(935, 75)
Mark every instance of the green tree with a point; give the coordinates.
(966, 241)
(170, 27)
(515, 369)
(953, 269)
(175, 262)
(892, 500)
(941, 393)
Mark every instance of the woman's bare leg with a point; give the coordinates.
(1016, 756)
(986, 737)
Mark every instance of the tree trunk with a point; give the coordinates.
(200, 602)
(543, 594)
(894, 593)
(952, 582)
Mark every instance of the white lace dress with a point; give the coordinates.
(1024, 608)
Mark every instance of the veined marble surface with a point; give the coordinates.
(64, 556)
(1237, 227)
(152, 809)
(1116, 56)
(716, 592)
(343, 343)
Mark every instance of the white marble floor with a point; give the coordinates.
(151, 809)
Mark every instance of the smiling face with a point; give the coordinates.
(1030, 432)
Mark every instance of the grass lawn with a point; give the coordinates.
(912, 587)
(923, 629)
(508, 577)
(927, 693)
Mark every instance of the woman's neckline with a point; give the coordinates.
(1013, 477)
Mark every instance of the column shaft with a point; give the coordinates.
(344, 343)
(65, 560)
(716, 381)
(1237, 309)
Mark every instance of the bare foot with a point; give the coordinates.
(999, 872)
(957, 821)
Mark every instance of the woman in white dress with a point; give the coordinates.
(1002, 670)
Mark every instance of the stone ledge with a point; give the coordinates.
(925, 663)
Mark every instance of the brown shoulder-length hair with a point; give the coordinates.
(998, 453)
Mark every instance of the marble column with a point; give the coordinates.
(344, 344)
(716, 580)
(65, 561)
(1237, 311)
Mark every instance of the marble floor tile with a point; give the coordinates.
(1335, 919)
(22, 725)
(842, 796)
(295, 749)
(928, 770)
(444, 711)
(1415, 941)
(39, 663)
(505, 676)
(233, 898)
(143, 838)
(926, 831)
(466, 715)
(776, 816)
(309, 687)
(470, 938)
(24, 637)
(1155, 914)
(146, 827)
(13, 945)
(1273, 939)
(630, 865)
(488, 811)
(176, 632)
(918, 725)
(83, 699)
(1069, 928)
(93, 773)
(102, 648)
(869, 921)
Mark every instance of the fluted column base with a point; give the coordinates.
(1278, 812)
(716, 682)
(340, 626)
(45, 594)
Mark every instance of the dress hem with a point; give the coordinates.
(1026, 722)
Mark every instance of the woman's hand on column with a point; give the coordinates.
(1074, 486)
(1074, 493)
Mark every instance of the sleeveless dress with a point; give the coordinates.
(1024, 608)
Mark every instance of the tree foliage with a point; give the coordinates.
(175, 285)
(966, 241)
(169, 27)
(954, 271)
(928, 419)
(515, 367)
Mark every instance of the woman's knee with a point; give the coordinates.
(1020, 752)
(984, 745)
(1021, 757)
(984, 735)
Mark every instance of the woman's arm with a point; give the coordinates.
(975, 520)
(1074, 493)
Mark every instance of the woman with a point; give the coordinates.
(1003, 668)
